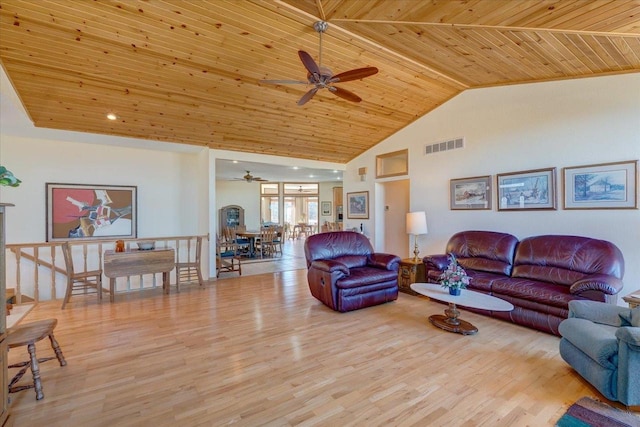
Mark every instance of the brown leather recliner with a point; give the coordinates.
(345, 274)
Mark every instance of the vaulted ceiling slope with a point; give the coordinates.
(191, 71)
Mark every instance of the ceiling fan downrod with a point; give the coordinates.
(320, 27)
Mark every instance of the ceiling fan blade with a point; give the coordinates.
(309, 64)
(284, 82)
(343, 93)
(357, 74)
(307, 96)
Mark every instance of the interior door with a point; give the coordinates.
(396, 205)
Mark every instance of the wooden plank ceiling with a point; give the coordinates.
(190, 71)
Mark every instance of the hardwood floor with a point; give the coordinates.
(259, 350)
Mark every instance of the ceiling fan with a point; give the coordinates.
(250, 178)
(322, 77)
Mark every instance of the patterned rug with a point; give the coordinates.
(588, 412)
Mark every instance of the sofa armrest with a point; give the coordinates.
(597, 282)
(436, 262)
(597, 312)
(330, 266)
(629, 335)
(384, 261)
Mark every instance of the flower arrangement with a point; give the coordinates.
(454, 277)
(7, 179)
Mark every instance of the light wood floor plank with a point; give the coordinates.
(259, 350)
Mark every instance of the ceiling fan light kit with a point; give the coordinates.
(322, 77)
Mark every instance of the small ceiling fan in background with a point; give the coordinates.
(249, 178)
(322, 77)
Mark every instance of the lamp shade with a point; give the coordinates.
(416, 223)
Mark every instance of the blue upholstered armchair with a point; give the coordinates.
(602, 343)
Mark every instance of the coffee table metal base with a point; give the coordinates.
(450, 322)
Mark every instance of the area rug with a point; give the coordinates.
(588, 412)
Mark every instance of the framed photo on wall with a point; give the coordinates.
(603, 186)
(91, 212)
(358, 205)
(470, 193)
(325, 209)
(527, 190)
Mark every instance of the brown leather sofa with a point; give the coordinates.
(345, 274)
(538, 275)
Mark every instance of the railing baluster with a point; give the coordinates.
(36, 274)
(27, 258)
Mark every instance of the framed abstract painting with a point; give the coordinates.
(90, 212)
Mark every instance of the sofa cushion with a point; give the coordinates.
(597, 341)
(365, 276)
(352, 261)
(565, 259)
(631, 317)
(533, 290)
(484, 250)
(482, 281)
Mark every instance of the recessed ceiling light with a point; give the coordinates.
(335, 171)
(296, 168)
(310, 176)
(112, 116)
(235, 161)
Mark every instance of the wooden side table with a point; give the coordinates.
(410, 272)
(633, 299)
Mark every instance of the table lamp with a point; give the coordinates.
(416, 225)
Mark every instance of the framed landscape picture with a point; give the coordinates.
(470, 193)
(603, 186)
(358, 205)
(527, 190)
(90, 212)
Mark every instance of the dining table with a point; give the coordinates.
(251, 236)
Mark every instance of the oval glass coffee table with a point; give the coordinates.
(450, 321)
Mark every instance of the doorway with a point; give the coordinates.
(391, 235)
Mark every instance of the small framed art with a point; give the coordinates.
(358, 205)
(603, 186)
(527, 190)
(470, 193)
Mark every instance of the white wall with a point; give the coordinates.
(168, 200)
(517, 128)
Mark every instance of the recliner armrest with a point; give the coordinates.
(597, 312)
(330, 266)
(597, 282)
(630, 335)
(385, 261)
(436, 262)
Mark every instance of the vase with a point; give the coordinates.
(455, 291)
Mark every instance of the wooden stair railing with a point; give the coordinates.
(36, 271)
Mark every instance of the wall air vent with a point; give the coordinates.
(451, 144)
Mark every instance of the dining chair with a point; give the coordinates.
(189, 270)
(227, 258)
(80, 282)
(266, 244)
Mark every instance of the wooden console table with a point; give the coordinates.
(137, 262)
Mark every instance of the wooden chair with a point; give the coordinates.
(266, 244)
(278, 238)
(188, 271)
(84, 281)
(28, 334)
(227, 258)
